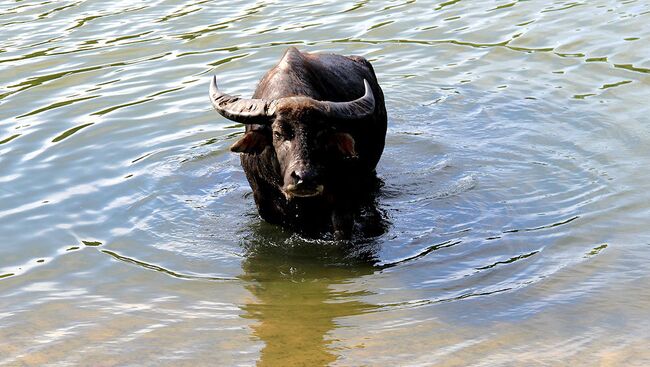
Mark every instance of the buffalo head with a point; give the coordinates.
(302, 132)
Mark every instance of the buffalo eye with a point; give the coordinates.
(284, 134)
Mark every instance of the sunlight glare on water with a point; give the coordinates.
(514, 188)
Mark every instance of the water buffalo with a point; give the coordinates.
(315, 130)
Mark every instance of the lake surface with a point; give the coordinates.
(516, 188)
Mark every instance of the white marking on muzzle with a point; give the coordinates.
(291, 191)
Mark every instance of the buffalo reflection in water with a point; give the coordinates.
(294, 283)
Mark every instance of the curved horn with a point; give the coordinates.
(357, 109)
(245, 111)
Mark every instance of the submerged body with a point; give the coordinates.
(315, 132)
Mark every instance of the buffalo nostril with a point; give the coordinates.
(296, 176)
(304, 177)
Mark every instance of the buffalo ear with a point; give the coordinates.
(344, 144)
(252, 142)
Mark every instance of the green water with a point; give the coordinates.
(515, 188)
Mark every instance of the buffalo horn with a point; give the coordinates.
(357, 109)
(245, 111)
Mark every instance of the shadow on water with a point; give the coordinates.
(294, 283)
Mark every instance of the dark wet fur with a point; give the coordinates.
(350, 184)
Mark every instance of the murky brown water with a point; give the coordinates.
(515, 175)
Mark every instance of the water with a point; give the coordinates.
(515, 188)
